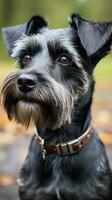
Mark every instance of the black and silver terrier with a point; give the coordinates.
(54, 89)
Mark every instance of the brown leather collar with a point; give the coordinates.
(67, 148)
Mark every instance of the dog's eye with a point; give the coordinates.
(25, 60)
(64, 60)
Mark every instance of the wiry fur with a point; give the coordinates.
(53, 95)
(53, 92)
(59, 104)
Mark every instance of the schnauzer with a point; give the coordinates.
(54, 89)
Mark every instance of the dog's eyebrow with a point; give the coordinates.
(26, 45)
(55, 49)
(30, 49)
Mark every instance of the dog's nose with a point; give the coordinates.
(26, 82)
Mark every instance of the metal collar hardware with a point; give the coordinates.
(67, 148)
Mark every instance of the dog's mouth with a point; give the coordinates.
(47, 106)
(43, 113)
(27, 111)
(30, 102)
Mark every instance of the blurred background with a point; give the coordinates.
(14, 139)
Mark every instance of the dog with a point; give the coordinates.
(54, 90)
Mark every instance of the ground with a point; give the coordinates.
(14, 139)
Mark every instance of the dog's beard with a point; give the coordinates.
(48, 106)
(25, 112)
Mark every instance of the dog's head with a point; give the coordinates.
(55, 68)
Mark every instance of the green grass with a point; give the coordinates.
(7, 67)
(103, 70)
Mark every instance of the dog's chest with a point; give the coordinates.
(57, 188)
(57, 185)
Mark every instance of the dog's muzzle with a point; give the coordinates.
(34, 97)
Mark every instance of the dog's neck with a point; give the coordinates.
(80, 121)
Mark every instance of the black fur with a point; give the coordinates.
(35, 24)
(85, 175)
(78, 175)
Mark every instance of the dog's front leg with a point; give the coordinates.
(30, 173)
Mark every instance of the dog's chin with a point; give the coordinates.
(27, 112)
(40, 114)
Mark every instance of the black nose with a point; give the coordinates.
(26, 82)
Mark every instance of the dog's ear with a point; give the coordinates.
(95, 37)
(35, 24)
(11, 34)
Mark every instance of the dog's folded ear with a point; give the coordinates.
(95, 37)
(12, 34)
